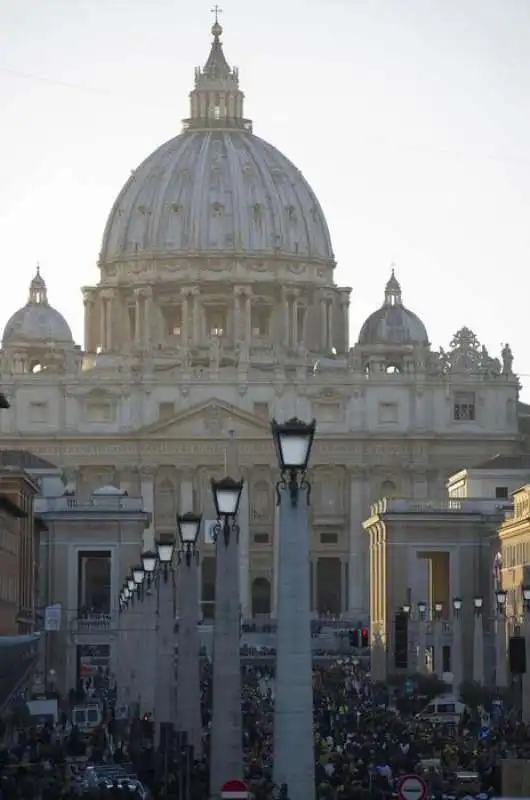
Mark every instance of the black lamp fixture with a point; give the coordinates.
(226, 497)
(478, 603)
(422, 609)
(457, 606)
(501, 597)
(526, 597)
(188, 526)
(293, 441)
(149, 561)
(165, 548)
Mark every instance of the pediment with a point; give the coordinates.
(214, 419)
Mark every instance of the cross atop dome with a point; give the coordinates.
(393, 290)
(216, 100)
(38, 292)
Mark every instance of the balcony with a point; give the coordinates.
(95, 505)
(92, 622)
(487, 506)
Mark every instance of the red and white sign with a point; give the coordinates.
(412, 787)
(235, 790)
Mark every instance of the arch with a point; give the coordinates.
(392, 369)
(329, 586)
(261, 597)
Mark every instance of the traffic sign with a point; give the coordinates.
(235, 790)
(412, 787)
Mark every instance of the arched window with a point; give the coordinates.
(261, 597)
(388, 489)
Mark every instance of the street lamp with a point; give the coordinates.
(457, 605)
(165, 547)
(501, 595)
(293, 441)
(149, 561)
(438, 608)
(188, 526)
(422, 609)
(294, 764)
(526, 598)
(478, 603)
(406, 609)
(226, 737)
(226, 497)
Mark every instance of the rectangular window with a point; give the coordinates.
(388, 413)
(38, 411)
(216, 321)
(172, 320)
(261, 538)
(464, 407)
(260, 321)
(501, 492)
(329, 538)
(99, 411)
(94, 584)
(166, 410)
(261, 410)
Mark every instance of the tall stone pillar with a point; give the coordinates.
(345, 312)
(188, 676)
(185, 315)
(138, 316)
(147, 489)
(88, 302)
(294, 320)
(195, 315)
(248, 317)
(457, 664)
(237, 333)
(275, 561)
(501, 654)
(294, 762)
(286, 319)
(357, 558)
(148, 315)
(109, 307)
(165, 701)
(478, 646)
(324, 322)
(244, 551)
(102, 322)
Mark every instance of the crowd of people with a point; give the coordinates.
(363, 744)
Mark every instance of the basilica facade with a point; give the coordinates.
(216, 309)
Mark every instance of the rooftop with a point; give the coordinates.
(518, 461)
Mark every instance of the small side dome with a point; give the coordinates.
(393, 323)
(37, 321)
(108, 491)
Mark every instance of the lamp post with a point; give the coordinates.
(457, 665)
(438, 639)
(478, 640)
(294, 763)
(422, 637)
(165, 635)
(188, 674)
(226, 761)
(501, 670)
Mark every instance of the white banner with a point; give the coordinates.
(208, 534)
(52, 617)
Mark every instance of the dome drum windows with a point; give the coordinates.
(172, 316)
(216, 320)
(261, 321)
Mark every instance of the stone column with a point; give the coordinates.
(248, 317)
(457, 665)
(244, 552)
(102, 321)
(478, 647)
(422, 644)
(147, 490)
(188, 678)
(227, 731)
(237, 315)
(195, 316)
(294, 320)
(357, 580)
(331, 331)
(294, 762)
(148, 315)
(88, 302)
(165, 654)
(526, 676)
(437, 626)
(286, 319)
(501, 660)
(185, 315)
(109, 297)
(275, 561)
(324, 322)
(138, 316)
(345, 311)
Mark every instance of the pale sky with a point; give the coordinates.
(409, 118)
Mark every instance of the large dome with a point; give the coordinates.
(216, 187)
(37, 321)
(393, 324)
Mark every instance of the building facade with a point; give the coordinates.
(216, 309)
(87, 550)
(18, 552)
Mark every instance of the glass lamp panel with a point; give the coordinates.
(478, 602)
(227, 500)
(138, 575)
(131, 584)
(294, 449)
(149, 561)
(165, 552)
(189, 530)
